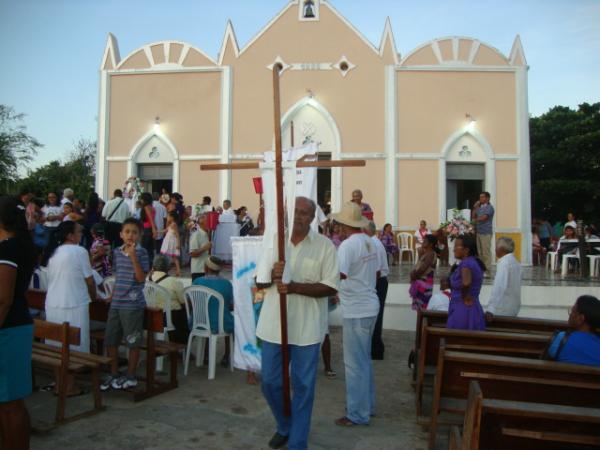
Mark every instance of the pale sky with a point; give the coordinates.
(51, 49)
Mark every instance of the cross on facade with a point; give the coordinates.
(280, 217)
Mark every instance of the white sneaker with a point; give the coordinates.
(107, 383)
(124, 382)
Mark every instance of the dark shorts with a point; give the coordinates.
(127, 323)
(15, 362)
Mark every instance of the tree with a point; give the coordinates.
(565, 163)
(17, 148)
(77, 172)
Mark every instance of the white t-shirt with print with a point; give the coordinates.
(68, 268)
(50, 210)
(359, 262)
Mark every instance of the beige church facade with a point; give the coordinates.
(436, 125)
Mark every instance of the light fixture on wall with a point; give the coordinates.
(310, 93)
(470, 122)
(156, 126)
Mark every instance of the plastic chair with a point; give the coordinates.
(153, 293)
(565, 263)
(198, 297)
(406, 245)
(108, 284)
(593, 264)
(551, 260)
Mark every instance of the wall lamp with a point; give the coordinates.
(156, 126)
(470, 122)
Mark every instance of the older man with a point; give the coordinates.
(505, 299)
(313, 271)
(359, 270)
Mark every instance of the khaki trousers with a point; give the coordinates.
(484, 248)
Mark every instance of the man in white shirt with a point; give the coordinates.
(313, 269)
(115, 212)
(200, 246)
(359, 270)
(160, 217)
(377, 346)
(505, 299)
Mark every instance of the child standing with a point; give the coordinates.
(126, 314)
(100, 251)
(171, 245)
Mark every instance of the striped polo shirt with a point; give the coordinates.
(128, 293)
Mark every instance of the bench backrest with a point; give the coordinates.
(60, 332)
(500, 343)
(518, 379)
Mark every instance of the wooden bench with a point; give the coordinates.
(493, 424)
(497, 343)
(509, 378)
(153, 323)
(63, 362)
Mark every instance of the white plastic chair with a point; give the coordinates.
(198, 297)
(405, 241)
(153, 293)
(593, 264)
(551, 260)
(565, 262)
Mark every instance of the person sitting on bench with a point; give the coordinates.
(582, 344)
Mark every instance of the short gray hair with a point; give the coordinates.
(506, 244)
(68, 191)
(311, 202)
(371, 227)
(161, 263)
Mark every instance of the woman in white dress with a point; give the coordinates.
(71, 285)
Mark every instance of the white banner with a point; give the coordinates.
(246, 252)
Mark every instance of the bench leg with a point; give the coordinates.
(96, 388)
(62, 384)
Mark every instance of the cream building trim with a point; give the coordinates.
(131, 159)
(388, 35)
(225, 131)
(103, 132)
(229, 36)
(200, 157)
(490, 167)
(523, 166)
(456, 68)
(336, 172)
(148, 52)
(391, 146)
(166, 68)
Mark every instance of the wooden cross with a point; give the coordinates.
(280, 218)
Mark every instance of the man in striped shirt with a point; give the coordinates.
(126, 314)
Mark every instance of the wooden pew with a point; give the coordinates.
(509, 378)
(64, 362)
(493, 424)
(497, 343)
(153, 323)
(498, 323)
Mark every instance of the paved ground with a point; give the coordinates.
(227, 413)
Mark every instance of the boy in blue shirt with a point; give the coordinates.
(126, 314)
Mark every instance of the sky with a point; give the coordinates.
(51, 50)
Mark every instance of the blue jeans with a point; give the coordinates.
(304, 361)
(360, 385)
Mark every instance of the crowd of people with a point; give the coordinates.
(76, 245)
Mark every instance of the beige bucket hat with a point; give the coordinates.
(350, 215)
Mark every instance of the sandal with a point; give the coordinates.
(330, 374)
(345, 422)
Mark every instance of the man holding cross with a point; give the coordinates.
(313, 270)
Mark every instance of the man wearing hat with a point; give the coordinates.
(313, 271)
(213, 280)
(359, 270)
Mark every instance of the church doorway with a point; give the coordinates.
(156, 177)
(464, 183)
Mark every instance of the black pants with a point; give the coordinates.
(148, 243)
(377, 347)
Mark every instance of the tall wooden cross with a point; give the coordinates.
(280, 217)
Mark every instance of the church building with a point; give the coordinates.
(436, 125)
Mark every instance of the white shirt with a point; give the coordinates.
(52, 211)
(227, 216)
(67, 270)
(160, 215)
(120, 214)
(65, 200)
(384, 268)
(313, 260)
(439, 301)
(198, 239)
(505, 299)
(359, 262)
(420, 238)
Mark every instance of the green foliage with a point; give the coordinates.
(17, 148)
(77, 172)
(565, 163)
